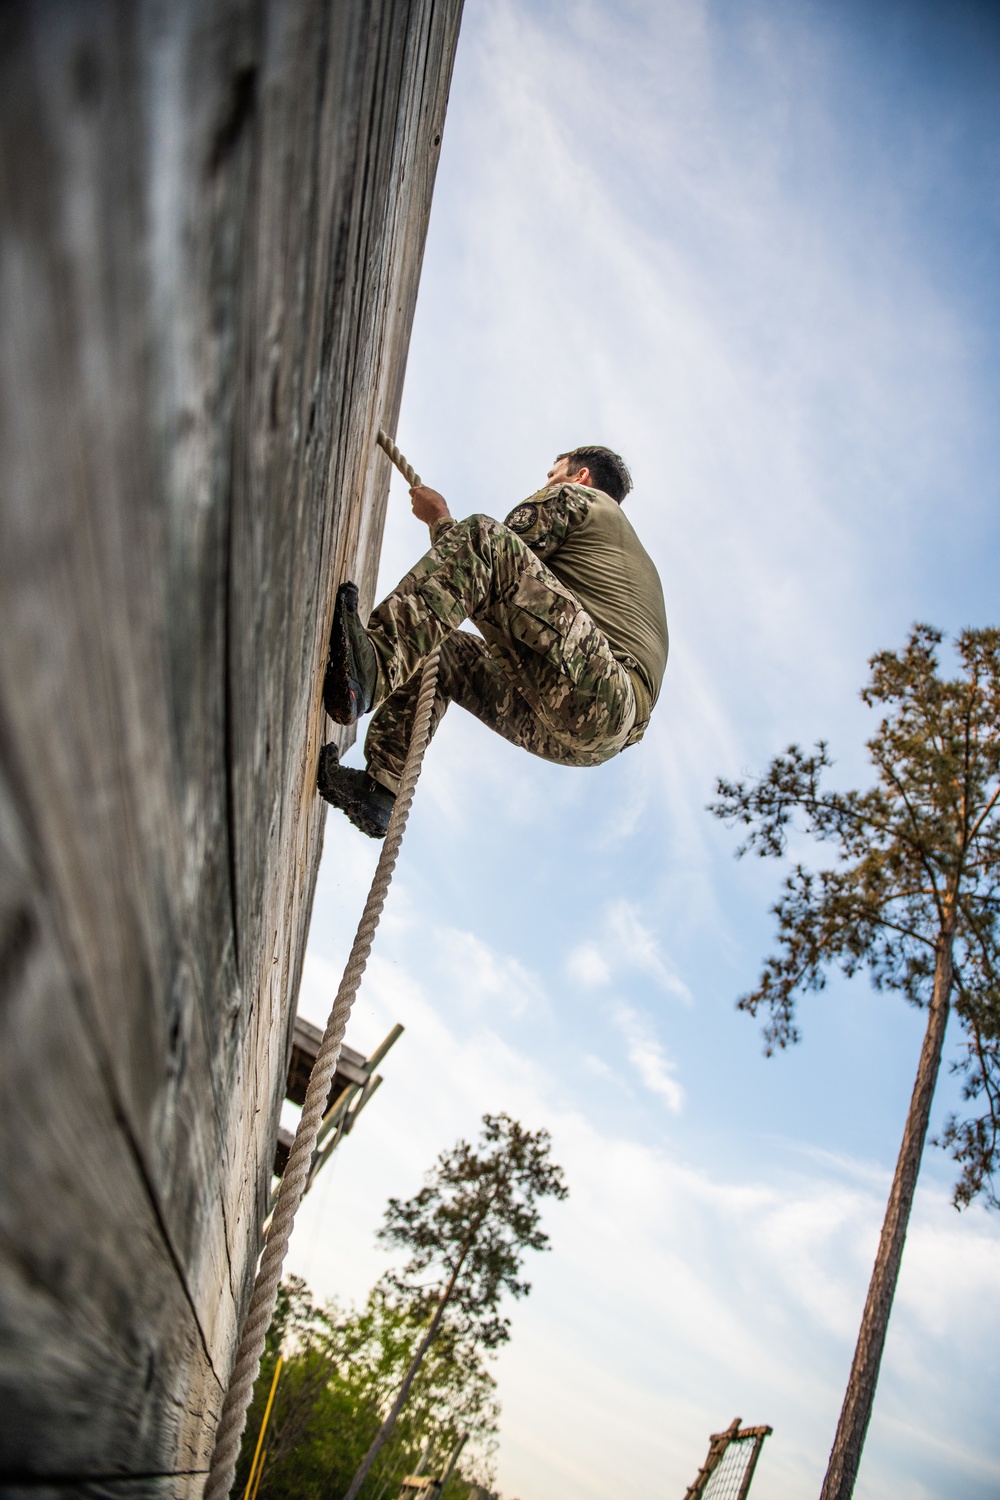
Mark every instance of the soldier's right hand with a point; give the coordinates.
(428, 505)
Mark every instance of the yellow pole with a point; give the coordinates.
(263, 1429)
(263, 1459)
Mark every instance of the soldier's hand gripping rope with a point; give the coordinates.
(351, 679)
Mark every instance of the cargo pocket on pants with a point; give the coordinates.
(542, 619)
(441, 602)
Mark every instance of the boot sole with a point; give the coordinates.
(341, 691)
(348, 797)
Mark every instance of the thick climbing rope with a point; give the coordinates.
(407, 470)
(229, 1433)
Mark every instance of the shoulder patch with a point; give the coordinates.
(523, 517)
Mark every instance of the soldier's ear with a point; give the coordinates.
(583, 476)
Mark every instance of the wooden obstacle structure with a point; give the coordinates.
(728, 1470)
(421, 1486)
(354, 1084)
(214, 214)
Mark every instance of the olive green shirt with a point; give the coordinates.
(588, 542)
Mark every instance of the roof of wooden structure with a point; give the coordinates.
(352, 1087)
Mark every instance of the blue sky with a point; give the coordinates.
(754, 247)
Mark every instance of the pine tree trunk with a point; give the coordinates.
(385, 1431)
(855, 1414)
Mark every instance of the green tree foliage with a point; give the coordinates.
(341, 1370)
(912, 896)
(467, 1230)
(917, 868)
(474, 1218)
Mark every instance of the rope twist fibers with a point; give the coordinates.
(407, 470)
(290, 1193)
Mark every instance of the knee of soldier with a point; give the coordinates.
(490, 539)
(480, 529)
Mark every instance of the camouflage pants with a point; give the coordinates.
(544, 675)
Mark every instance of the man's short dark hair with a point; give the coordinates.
(608, 470)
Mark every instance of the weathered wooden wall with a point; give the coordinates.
(213, 215)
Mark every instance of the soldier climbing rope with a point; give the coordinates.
(295, 1177)
(571, 641)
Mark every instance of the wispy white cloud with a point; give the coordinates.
(640, 948)
(648, 1056)
(588, 965)
(482, 975)
(626, 944)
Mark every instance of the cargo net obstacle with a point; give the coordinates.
(727, 1472)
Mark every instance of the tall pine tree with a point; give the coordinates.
(470, 1225)
(913, 897)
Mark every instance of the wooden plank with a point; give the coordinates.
(213, 217)
(100, 1369)
(306, 1040)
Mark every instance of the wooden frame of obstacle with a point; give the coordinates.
(718, 1446)
(354, 1084)
(421, 1486)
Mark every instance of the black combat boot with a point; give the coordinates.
(352, 666)
(366, 802)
